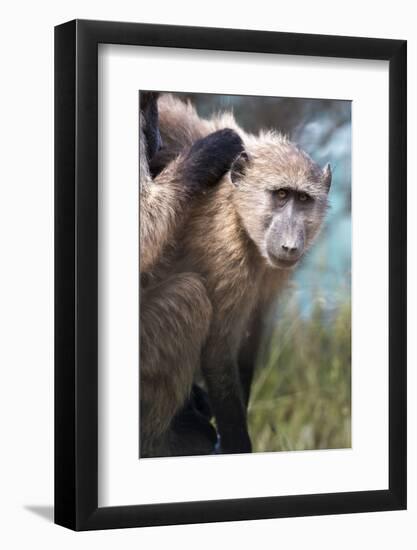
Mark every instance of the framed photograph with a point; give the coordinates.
(230, 255)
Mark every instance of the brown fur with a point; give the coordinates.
(174, 313)
(225, 241)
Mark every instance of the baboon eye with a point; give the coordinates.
(282, 193)
(303, 197)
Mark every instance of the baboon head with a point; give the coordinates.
(281, 198)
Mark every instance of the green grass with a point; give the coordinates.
(301, 394)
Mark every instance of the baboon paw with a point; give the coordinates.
(211, 157)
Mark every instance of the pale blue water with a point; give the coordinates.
(326, 272)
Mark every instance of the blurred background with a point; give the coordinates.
(301, 395)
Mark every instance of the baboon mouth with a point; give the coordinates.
(282, 263)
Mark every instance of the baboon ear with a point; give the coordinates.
(238, 168)
(327, 176)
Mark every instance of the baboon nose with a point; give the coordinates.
(289, 249)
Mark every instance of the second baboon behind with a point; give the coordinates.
(175, 311)
(244, 238)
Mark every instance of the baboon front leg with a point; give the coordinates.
(223, 384)
(174, 321)
(248, 354)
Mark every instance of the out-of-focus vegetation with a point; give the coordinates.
(301, 395)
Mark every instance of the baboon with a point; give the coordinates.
(175, 311)
(245, 238)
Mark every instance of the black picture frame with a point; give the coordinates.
(76, 272)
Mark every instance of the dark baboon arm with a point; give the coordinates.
(248, 353)
(149, 123)
(222, 379)
(211, 157)
(206, 161)
(221, 374)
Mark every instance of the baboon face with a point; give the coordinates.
(281, 197)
